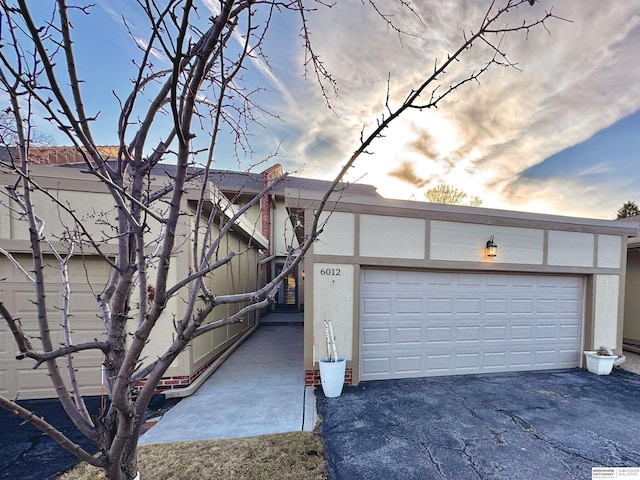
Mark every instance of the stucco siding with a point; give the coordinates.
(338, 235)
(466, 242)
(570, 249)
(95, 213)
(632, 296)
(333, 288)
(392, 237)
(609, 251)
(282, 234)
(606, 311)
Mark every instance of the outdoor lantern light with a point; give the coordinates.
(492, 248)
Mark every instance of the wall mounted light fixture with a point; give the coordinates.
(492, 248)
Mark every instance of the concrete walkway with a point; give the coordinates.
(258, 390)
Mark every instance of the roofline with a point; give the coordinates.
(306, 199)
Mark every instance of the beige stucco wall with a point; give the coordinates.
(333, 287)
(94, 211)
(282, 233)
(632, 296)
(392, 237)
(161, 336)
(571, 249)
(605, 331)
(462, 242)
(239, 276)
(609, 251)
(338, 236)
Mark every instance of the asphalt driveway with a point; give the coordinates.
(532, 425)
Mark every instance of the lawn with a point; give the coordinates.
(295, 455)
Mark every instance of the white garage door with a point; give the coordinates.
(415, 324)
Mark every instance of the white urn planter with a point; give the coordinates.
(332, 367)
(332, 376)
(599, 364)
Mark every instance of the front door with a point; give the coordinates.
(287, 298)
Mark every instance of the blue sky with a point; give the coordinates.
(561, 136)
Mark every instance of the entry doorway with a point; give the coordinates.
(287, 298)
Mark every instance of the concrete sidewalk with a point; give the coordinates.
(258, 390)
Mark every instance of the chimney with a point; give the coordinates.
(268, 176)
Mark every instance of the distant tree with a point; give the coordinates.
(628, 209)
(450, 195)
(9, 133)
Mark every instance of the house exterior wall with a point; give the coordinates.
(282, 235)
(89, 274)
(516, 245)
(422, 236)
(632, 297)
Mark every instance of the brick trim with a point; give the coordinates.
(312, 377)
(177, 381)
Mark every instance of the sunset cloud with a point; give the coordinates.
(573, 83)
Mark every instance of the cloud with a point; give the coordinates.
(154, 51)
(406, 173)
(573, 82)
(424, 145)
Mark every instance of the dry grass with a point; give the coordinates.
(292, 456)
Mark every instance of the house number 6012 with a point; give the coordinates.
(334, 272)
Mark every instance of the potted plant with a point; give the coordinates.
(601, 361)
(332, 367)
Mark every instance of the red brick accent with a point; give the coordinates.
(312, 377)
(268, 176)
(177, 381)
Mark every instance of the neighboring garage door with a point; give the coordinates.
(18, 379)
(415, 324)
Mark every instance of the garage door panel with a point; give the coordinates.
(444, 279)
(494, 360)
(496, 306)
(522, 306)
(435, 364)
(570, 306)
(408, 336)
(468, 306)
(570, 332)
(409, 306)
(439, 305)
(495, 333)
(378, 367)
(408, 364)
(376, 277)
(471, 323)
(439, 334)
(376, 336)
(546, 306)
(371, 306)
(468, 334)
(410, 278)
(546, 332)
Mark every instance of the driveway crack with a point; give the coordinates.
(471, 461)
(433, 460)
(528, 428)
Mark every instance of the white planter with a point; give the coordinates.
(332, 376)
(599, 364)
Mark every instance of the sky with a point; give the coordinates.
(558, 135)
